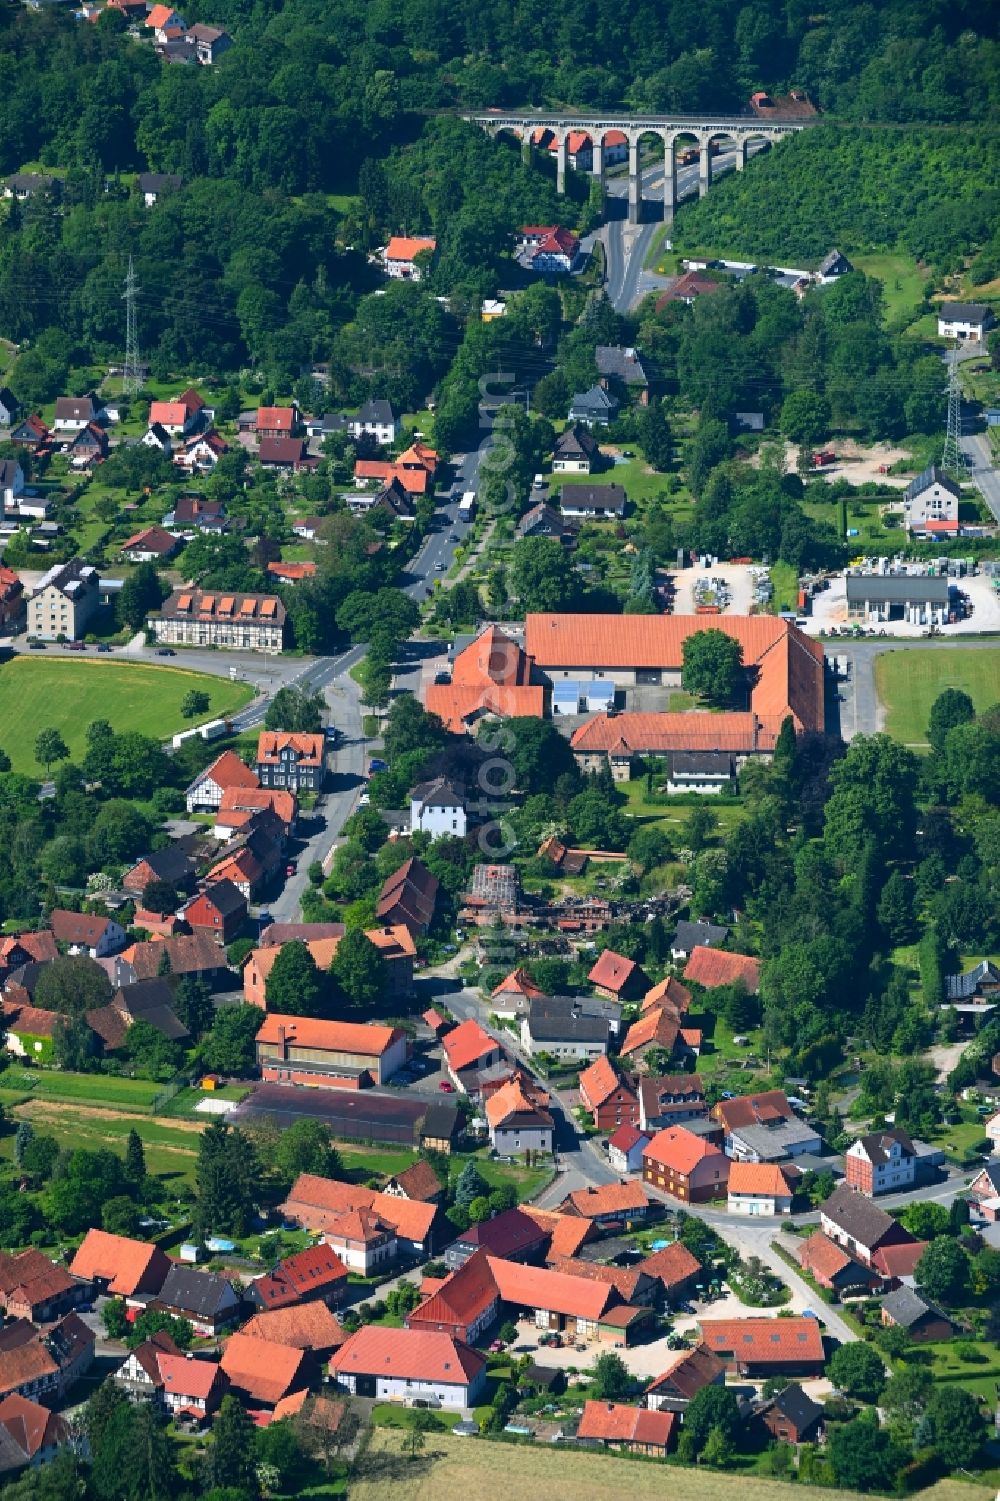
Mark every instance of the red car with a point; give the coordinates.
(446, 1087)
(290, 868)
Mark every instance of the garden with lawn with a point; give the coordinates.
(908, 682)
(68, 695)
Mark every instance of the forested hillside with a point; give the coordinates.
(934, 193)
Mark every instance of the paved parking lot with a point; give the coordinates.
(737, 576)
(830, 609)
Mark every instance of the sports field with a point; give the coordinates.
(908, 682)
(472, 1469)
(66, 696)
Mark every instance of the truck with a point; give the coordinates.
(820, 460)
(467, 506)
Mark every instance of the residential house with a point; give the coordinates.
(165, 23)
(317, 1273)
(982, 983)
(139, 1373)
(87, 446)
(119, 1266)
(623, 366)
(492, 676)
(82, 933)
(930, 504)
(255, 863)
(556, 252)
(34, 1288)
(791, 1417)
(691, 935)
(9, 407)
(832, 265)
(883, 1162)
(27, 1031)
(611, 1206)
(657, 1031)
(219, 912)
(64, 601)
(276, 422)
(518, 1119)
(594, 408)
(31, 432)
(609, 1097)
(685, 1165)
(12, 606)
(567, 1232)
(190, 1387)
(766, 1346)
(24, 185)
(198, 514)
(365, 1242)
(671, 1100)
(906, 1309)
(186, 954)
(157, 437)
(153, 186)
(588, 1307)
(859, 1225)
(239, 622)
(398, 1365)
(209, 42)
(286, 454)
(227, 771)
(468, 1050)
(303, 1326)
(399, 257)
(513, 996)
(243, 808)
(575, 1028)
(172, 865)
(437, 808)
(713, 967)
(419, 1181)
(637, 1430)
(759, 1188)
(541, 520)
(898, 1263)
(984, 1190)
(625, 1148)
(319, 1204)
(334, 1055)
(200, 454)
(183, 416)
(45, 1362)
(617, 977)
(395, 944)
(512, 1235)
(291, 573)
(74, 413)
(968, 321)
(291, 760)
(440, 1128)
(773, 1140)
(11, 483)
(261, 1372)
(207, 1301)
(463, 1305)
(23, 948)
(150, 1001)
(378, 420)
(30, 1435)
(593, 502)
(575, 451)
(686, 1374)
(408, 897)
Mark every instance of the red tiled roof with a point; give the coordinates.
(419, 1181)
(674, 1265)
(669, 992)
(614, 1422)
(408, 247)
(681, 1150)
(462, 1298)
(228, 770)
(466, 1044)
(38, 946)
(310, 750)
(789, 665)
(608, 1198)
(558, 1292)
(687, 1371)
(151, 539)
(265, 1371)
(626, 1137)
(312, 1271)
(762, 1341)
(657, 1027)
(641, 733)
(753, 1109)
(280, 418)
(899, 1261)
(408, 1355)
(612, 971)
(712, 967)
(122, 1262)
(758, 1178)
(304, 1326)
(29, 1021)
(518, 983)
(330, 1037)
(517, 1099)
(317, 1201)
(291, 572)
(188, 1378)
(600, 1081)
(821, 1254)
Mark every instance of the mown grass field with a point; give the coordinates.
(901, 277)
(908, 682)
(785, 583)
(170, 1150)
(99, 1090)
(673, 814)
(456, 1469)
(66, 695)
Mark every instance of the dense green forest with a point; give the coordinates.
(934, 193)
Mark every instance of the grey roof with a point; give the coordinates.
(932, 475)
(541, 517)
(594, 498)
(596, 401)
(795, 1405)
(225, 896)
(832, 260)
(31, 182)
(857, 1216)
(170, 864)
(963, 987)
(906, 1307)
(554, 1006)
(152, 1001)
(965, 312)
(8, 399)
(691, 935)
(574, 441)
(880, 1143)
(159, 182)
(439, 793)
(65, 577)
(440, 1121)
(710, 763)
(771, 1143)
(8, 472)
(896, 589)
(376, 411)
(569, 1026)
(621, 361)
(77, 408)
(200, 1293)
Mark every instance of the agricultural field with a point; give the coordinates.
(101, 1090)
(453, 1469)
(908, 682)
(67, 695)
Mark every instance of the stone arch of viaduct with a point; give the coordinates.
(703, 129)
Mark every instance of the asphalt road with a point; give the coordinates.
(860, 712)
(437, 551)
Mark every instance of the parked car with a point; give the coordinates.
(165, 651)
(290, 868)
(38, 646)
(76, 646)
(103, 646)
(446, 1087)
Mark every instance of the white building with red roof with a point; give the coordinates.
(398, 1365)
(399, 257)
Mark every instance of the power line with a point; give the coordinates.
(954, 456)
